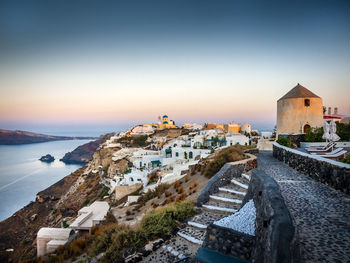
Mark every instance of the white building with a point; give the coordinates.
(247, 128)
(178, 154)
(237, 139)
(135, 176)
(90, 216)
(49, 239)
(144, 129)
(193, 126)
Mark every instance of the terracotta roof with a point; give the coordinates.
(299, 92)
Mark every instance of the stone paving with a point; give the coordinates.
(321, 214)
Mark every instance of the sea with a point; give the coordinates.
(22, 175)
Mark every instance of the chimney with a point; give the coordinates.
(335, 110)
(329, 111)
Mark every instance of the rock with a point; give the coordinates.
(48, 158)
(84, 153)
(33, 217)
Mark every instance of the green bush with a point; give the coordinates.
(284, 141)
(314, 135)
(161, 221)
(134, 141)
(229, 154)
(343, 130)
(346, 159)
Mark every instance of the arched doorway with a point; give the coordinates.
(306, 128)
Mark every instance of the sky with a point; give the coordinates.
(108, 65)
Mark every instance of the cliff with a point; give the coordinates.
(8, 137)
(52, 206)
(83, 154)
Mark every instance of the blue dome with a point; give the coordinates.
(165, 116)
(165, 122)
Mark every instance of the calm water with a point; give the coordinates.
(22, 175)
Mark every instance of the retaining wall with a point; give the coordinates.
(329, 172)
(224, 176)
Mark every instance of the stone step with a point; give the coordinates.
(172, 250)
(246, 176)
(224, 204)
(197, 225)
(232, 191)
(220, 208)
(194, 235)
(239, 184)
(225, 199)
(205, 218)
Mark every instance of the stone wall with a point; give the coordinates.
(229, 242)
(295, 139)
(329, 172)
(276, 237)
(224, 176)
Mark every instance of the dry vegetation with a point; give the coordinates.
(226, 155)
(113, 238)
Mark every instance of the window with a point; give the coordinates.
(177, 154)
(307, 102)
(131, 179)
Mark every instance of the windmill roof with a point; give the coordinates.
(299, 92)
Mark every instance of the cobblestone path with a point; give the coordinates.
(321, 214)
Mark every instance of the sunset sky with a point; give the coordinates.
(115, 64)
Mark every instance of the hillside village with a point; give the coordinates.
(125, 168)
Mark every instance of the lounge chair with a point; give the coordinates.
(337, 155)
(335, 151)
(327, 148)
(321, 147)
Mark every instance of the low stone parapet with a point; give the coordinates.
(330, 172)
(276, 236)
(229, 242)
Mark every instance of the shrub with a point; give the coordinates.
(157, 192)
(313, 135)
(346, 159)
(115, 238)
(134, 141)
(343, 130)
(229, 154)
(163, 220)
(167, 193)
(85, 203)
(284, 141)
(104, 192)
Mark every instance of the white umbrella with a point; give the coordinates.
(326, 134)
(333, 129)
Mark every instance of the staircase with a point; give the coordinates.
(225, 202)
(189, 239)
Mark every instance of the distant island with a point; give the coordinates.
(48, 158)
(8, 137)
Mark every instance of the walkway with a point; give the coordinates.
(321, 214)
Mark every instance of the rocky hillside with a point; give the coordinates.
(83, 154)
(8, 137)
